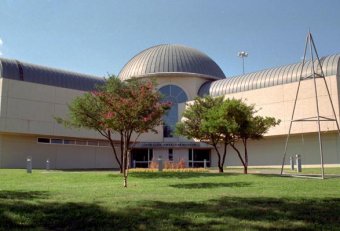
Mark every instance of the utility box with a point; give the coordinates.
(298, 163)
(291, 161)
(29, 164)
(160, 164)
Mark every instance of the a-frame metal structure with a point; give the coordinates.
(314, 59)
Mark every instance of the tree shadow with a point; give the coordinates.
(179, 175)
(236, 213)
(23, 195)
(210, 185)
(224, 213)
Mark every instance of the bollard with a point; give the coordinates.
(134, 164)
(298, 163)
(48, 165)
(205, 163)
(291, 161)
(29, 164)
(160, 164)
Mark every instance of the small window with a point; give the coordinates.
(56, 141)
(190, 154)
(150, 154)
(81, 142)
(171, 155)
(69, 142)
(103, 143)
(44, 140)
(92, 142)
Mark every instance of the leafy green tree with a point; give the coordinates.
(251, 127)
(222, 122)
(127, 108)
(205, 121)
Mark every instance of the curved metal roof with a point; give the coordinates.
(269, 77)
(171, 59)
(13, 69)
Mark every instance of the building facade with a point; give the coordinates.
(31, 96)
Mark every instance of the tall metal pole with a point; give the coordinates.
(317, 108)
(294, 107)
(317, 118)
(328, 92)
(242, 54)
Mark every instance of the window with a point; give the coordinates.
(175, 95)
(171, 155)
(141, 157)
(56, 141)
(69, 142)
(197, 157)
(104, 143)
(81, 142)
(44, 140)
(92, 142)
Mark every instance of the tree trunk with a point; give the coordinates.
(125, 163)
(220, 165)
(125, 178)
(114, 151)
(245, 170)
(122, 146)
(245, 157)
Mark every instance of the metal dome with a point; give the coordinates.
(171, 60)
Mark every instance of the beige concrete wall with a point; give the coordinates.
(30, 108)
(27, 110)
(278, 102)
(269, 151)
(15, 149)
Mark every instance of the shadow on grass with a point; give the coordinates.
(179, 175)
(225, 213)
(210, 185)
(23, 195)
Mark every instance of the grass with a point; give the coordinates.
(59, 200)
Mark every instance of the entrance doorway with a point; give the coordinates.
(141, 157)
(197, 157)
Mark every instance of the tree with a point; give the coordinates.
(252, 127)
(218, 121)
(205, 120)
(128, 108)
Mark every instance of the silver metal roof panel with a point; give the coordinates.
(269, 77)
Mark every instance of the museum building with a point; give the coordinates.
(31, 96)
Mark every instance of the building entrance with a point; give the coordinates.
(198, 156)
(141, 157)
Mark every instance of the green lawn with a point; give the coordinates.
(58, 200)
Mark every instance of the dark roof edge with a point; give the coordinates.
(22, 71)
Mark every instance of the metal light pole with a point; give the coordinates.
(242, 54)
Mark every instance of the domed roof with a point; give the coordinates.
(171, 59)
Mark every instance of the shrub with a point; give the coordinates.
(181, 164)
(132, 170)
(168, 165)
(153, 165)
(143, 170)
(186, 170)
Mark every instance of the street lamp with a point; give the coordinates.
(242, 54)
